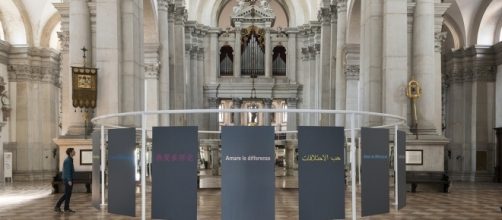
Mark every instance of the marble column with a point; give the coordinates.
(108, 56)
(213, 117)
(266, 116)
(164, 59)
(178, 91)
(213, 58)
(324, 72)
(292, 124)
(498, 87)
(305, 80)
(200, 86)
(429, 104)
(237, 50)
(395, 58)
(80, 36)
(371, 60)
(332, 62)
(268, 51)
(215, 160)
(340, 85)
(292, 55)
(237, 103)
(290, 154)
(131, 74)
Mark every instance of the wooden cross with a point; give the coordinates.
(84, 50)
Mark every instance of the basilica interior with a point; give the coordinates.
(355, 55)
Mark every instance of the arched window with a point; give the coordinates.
(279, 61)
(226, 61)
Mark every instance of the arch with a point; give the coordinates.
(354, 22)
(476, 22)
(487, 29)
(226, 60)
(48, 31)
(279, 61)
(14, 24)
(454, 31)
(226, 11)
(454, 19)
(208, 11)
(150, 27)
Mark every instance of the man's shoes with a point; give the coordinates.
(57, 209)
(69, 211)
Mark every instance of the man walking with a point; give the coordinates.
(67, 179)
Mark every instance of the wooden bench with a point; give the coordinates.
(83, 177)
(416, 177)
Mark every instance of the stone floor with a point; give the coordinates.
(33, 200)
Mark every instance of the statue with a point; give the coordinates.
(4, 98)
(413, 92)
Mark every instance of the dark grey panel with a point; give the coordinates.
(174, 173)
(401, 169)
(121, 179)
(96, 174)
(248, 179)
(321, 172)
(374, 171)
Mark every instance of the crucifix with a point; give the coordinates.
(84, 50)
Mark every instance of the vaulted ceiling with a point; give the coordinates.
(35, 22)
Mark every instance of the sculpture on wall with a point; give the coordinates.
(4, 98)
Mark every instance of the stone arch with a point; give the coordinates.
(15, 27)
(150, 27)
(224, 14)
(49, 31)
(354, 22)
(476, 23)
(2, 34)
(455, 33)
(454, 20)
(487, 28)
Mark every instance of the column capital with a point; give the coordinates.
(439, 38)
(292, 102)
(213, 102)
(64, 40)
(341, 6)
(324, 15)
(498, 53)
(267, 102)
(237, 102)
(152, 70)
(163, 5)
(352, 72)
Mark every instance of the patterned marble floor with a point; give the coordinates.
(33, 200)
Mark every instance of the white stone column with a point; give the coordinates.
(178, 84)
(324, 72)
(292, 123)
(340, 95)
(292, 55)
(333, 58)
(429, 118)
(65, 75)
(213, 117)
(498, 87)
(290, 154)
(237, 50)
(80, 36)
(108, 55)
(164, 59)
(395, 57)
(213, 58)
(268, 51)
(237, 103)
(152, 80)
(215, 159)
(132, 72)
(266, 116)
(371, 60)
